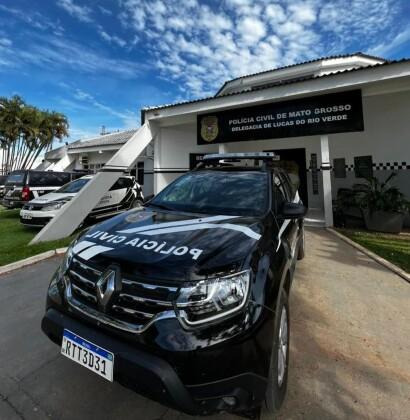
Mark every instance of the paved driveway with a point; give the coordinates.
(350, 347)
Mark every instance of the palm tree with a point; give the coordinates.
(26, 131)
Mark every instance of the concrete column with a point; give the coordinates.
(327, 182)
(157, 160)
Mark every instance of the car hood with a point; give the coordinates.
(50, 197)
(171, 245)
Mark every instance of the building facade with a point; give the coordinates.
(333, 120)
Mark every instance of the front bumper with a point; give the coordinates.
(153, 376)
(12, 204)
(35, 218)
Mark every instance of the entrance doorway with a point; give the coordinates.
(294, 162)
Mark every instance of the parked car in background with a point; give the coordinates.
(126, 193)
(24, 185)
(2, 184)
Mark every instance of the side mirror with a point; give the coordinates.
(292, 211)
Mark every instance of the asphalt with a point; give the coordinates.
(350, 347)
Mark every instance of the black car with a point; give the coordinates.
(186, 300)
(24, 185)
(2, 184)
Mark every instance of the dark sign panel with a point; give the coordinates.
(339, 167)
(363, 166)
(325, 114)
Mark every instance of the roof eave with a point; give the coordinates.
(360, 76)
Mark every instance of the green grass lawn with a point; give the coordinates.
(394, 248)
(14, 239)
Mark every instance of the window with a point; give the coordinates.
(73, 186)
(16, 178)
(94, 167)
(217, 192)
(121, 183)
(49, 179)
(140, 173)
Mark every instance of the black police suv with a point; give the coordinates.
(186, 300)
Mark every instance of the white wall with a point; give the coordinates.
(105, 156)
(173, 146)
(176, 143)
(386, 138)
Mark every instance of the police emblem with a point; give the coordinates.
(209, 128)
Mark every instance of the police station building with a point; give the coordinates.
(333, 121)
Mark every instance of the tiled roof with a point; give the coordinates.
(111, 139)
(330, 57)
(275, 84)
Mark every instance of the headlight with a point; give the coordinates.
(68, 257)
(209, 300)
(54, 206)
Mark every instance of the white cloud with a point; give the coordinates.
(252, 30)
(5, 42)
(112, 39)
(388, 47)
(34, 19)
(129, 118)
(82, 13)
(104, 11)
(275, 13)
(357, 20)
(304, 13)
(198, 45)
(53, 52)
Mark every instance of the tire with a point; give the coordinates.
(301, 250)
(278, 370)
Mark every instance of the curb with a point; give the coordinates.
(372, 255)
(31, 260)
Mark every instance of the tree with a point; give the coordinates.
(26, 132)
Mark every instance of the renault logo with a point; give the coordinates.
(107, 286)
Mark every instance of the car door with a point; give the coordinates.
(120, 193)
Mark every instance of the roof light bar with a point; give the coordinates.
(253, 155)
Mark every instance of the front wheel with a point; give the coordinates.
(278, 371)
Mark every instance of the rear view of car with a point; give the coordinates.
(124, 194)
(24, 185)
(2, 184)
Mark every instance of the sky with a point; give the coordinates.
(100, 62)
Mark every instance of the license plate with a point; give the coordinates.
(87, 354)
(26, 216)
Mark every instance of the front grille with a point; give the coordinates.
(33, 206)
(134, 306)
(35, 221)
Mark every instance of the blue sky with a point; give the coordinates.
(100, 62)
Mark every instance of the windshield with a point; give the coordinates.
(73, 186)
(16, 178)
(241, 193)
